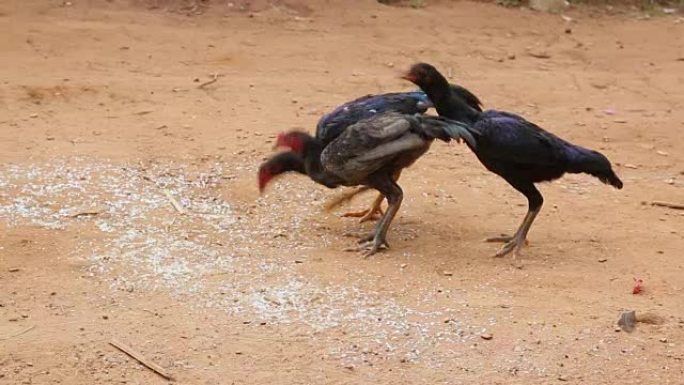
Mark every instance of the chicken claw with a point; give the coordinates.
(371, 245)
(365, 215)
(503, 238)
(513, 246)
(374, 212)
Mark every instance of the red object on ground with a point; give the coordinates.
(637, 286)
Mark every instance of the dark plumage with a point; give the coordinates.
(369, 153)
(331, 125)
(517, 150)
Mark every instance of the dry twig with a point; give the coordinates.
(675, 206)
(142, 359)
(212, 81)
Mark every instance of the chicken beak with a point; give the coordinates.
(409, 76)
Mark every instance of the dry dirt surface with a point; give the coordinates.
(105, 117)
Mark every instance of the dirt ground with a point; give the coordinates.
(104, 115)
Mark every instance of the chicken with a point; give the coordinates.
(517, 150)
(331, 125)
(369, 153)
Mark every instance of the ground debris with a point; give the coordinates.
(627, 321)
(142, 359)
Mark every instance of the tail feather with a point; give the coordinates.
(447, 129)
(596, 164)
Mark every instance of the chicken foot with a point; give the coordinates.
(519, 239)
(374, 212)
(374, 242)
(516, 243)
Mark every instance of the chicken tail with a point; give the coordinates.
(596, 164)
(446, 129)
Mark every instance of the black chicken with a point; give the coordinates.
(369, 153)
(517, 150)
(331, 125)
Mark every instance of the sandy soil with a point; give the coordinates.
(101, 115)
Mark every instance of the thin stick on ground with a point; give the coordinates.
(18, 334)
(212, 81)
(176, 205)
(675, 206)
(142, 359)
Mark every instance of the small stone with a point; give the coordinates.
(663, 340)
(562, 378)
(601, 260)
(403, 265)
(33, 116)
(105, 317)
(13, 269)
(24, 315)
(486, 336)
(448, 273)
(13, 319)
(627, 321)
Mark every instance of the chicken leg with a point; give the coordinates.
(391, 190)
(375, 211)
(519, 239)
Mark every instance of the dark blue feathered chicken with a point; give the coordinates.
(331, 125)
(517, 150)
(369, 153)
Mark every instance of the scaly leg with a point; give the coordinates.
(502, 238)
(374, 212)
(344, 198)
(394, 195)
(519, 239)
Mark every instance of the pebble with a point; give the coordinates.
(663, 340)
(602, 260)
(486, 336)
(448, 273)
(13, 269)
(627, 321)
